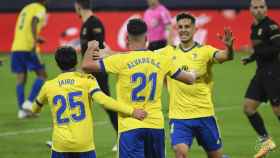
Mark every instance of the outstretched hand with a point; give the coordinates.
(139, 114)
(227, 38)
(245, 60)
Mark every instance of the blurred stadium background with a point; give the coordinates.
(25, 138)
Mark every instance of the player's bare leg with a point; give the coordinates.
(42, 74)
(215, 154)
(21, 78)
(276, 110)
(181, 150)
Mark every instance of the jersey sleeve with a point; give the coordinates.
(112, 63)
(173, 70)
(40, 100)
(211, 52)
(92, 84)
(167, 50)
(112, 104)
(273, 31)
(40, 13)
(42, 96)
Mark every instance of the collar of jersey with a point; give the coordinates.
(189, 49)
(261, 22)
(142, 49)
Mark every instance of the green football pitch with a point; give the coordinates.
(26, 138)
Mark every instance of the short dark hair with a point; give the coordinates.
(41, 1)
(136, 27)
(66, 58)
(85, 4)
(185, 15)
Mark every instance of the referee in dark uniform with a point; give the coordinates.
(93, 29)
(265, 85)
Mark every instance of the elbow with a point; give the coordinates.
(90, 67)
(225, 59)
(86, 68)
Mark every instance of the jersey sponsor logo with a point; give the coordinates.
(273, 27)
(97, 30)
(194, 56)
(84, 31)
(184, 67)
(260, 32)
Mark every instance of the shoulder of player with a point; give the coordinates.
(48, 83)
(83, 75)
(270, 24)
(270, 21)
(36, 6)
(166, 50)
(204, 47)
(94, 20)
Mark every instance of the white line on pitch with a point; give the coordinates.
(99, 123)
(40, 130)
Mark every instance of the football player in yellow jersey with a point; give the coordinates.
(140, 76)
(70, 97)
(191, 110)
(24, 57)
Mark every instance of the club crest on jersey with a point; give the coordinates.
(260, 32)
(194, 56)
(84, 32)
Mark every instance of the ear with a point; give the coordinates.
(146, 38)
(126, 41)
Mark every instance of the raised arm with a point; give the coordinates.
(228, 54)
(90, 61)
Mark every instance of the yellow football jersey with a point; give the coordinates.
(23, 38)
(69, 98)
(140, 76)
(191, 101)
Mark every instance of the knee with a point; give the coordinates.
(181, 151)
(42, 75)
(249, 110)
(276, 110)
(21, 79)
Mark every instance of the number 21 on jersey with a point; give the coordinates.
(144, 81)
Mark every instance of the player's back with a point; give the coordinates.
(69, 98)
(23, 38)
(140, 79)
